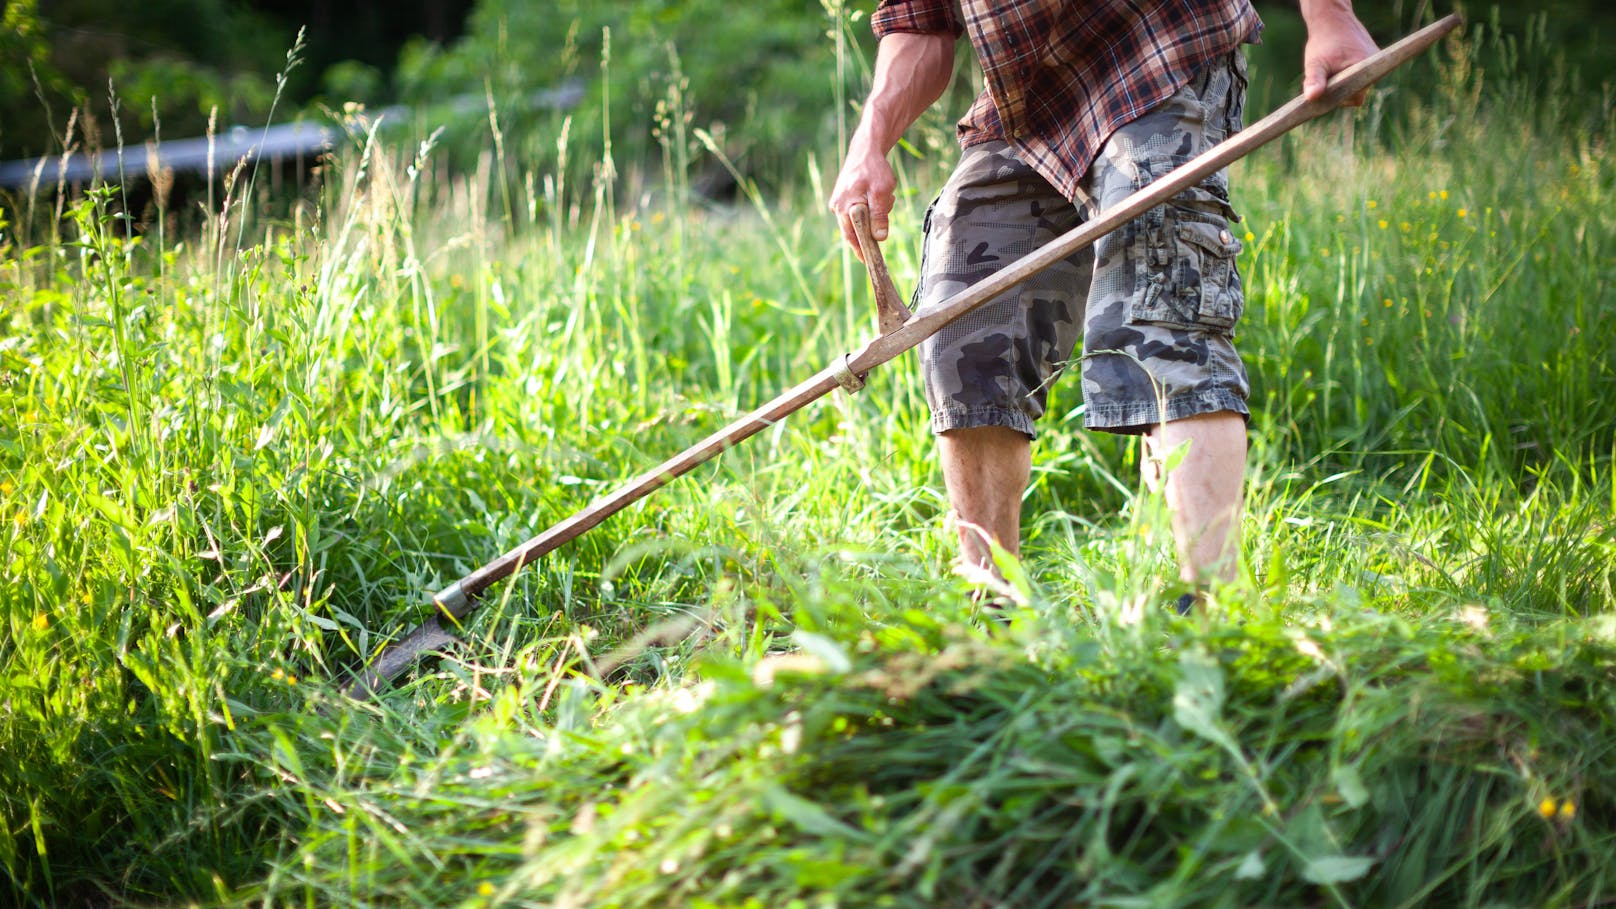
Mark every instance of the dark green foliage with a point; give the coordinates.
(762, 76)
(183, 57)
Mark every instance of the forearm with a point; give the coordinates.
(1322, 12)
(911, 72)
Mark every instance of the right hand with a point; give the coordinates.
(866, 177)
(1335, 41)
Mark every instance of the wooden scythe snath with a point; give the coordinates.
(900, 332)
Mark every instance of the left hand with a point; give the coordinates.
(1335, 41)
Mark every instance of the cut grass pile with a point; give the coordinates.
(1316, 755)
(229, 469)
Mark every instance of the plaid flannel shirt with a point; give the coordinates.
(1062, 75)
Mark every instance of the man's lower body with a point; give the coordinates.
(1153, 303)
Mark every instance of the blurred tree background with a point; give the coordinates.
(767, 77)
(178, 61)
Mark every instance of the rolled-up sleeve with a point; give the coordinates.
(923, 16)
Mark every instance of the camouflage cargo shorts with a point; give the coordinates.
(1154, 302)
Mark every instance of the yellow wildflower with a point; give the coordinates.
(1547, 808)
(1383, 223)
(1568, 810)
(1371, 203)
(41, 621)
(1250, 236)
(6, 487)
(485, 889)
(1463, 212)
(1444, 195)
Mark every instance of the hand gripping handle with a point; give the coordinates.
(890, 312)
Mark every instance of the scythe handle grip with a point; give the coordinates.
(889, 309)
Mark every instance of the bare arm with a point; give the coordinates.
(1335, 41)
(911, 72)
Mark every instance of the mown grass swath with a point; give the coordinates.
(229, 466)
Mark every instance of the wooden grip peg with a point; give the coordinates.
(890, 313)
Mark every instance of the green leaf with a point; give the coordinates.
(807, 816)
(1336, 869)
(1251, 867)
(829, 651)
(1279, 572)
(1349, 785)
(1175, 457)
(1198, 699)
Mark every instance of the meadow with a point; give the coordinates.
(237, 455)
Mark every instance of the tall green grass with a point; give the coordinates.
(230, 469)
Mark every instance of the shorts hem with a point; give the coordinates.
(976, 417)
(1137, 419)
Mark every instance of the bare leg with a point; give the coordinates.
(1204, 492)
(986, 470)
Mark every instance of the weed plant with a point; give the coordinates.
(234, 462)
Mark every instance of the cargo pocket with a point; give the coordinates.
(1221, 90)
(925, 241)
(1188, 274)
(1235, 112)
